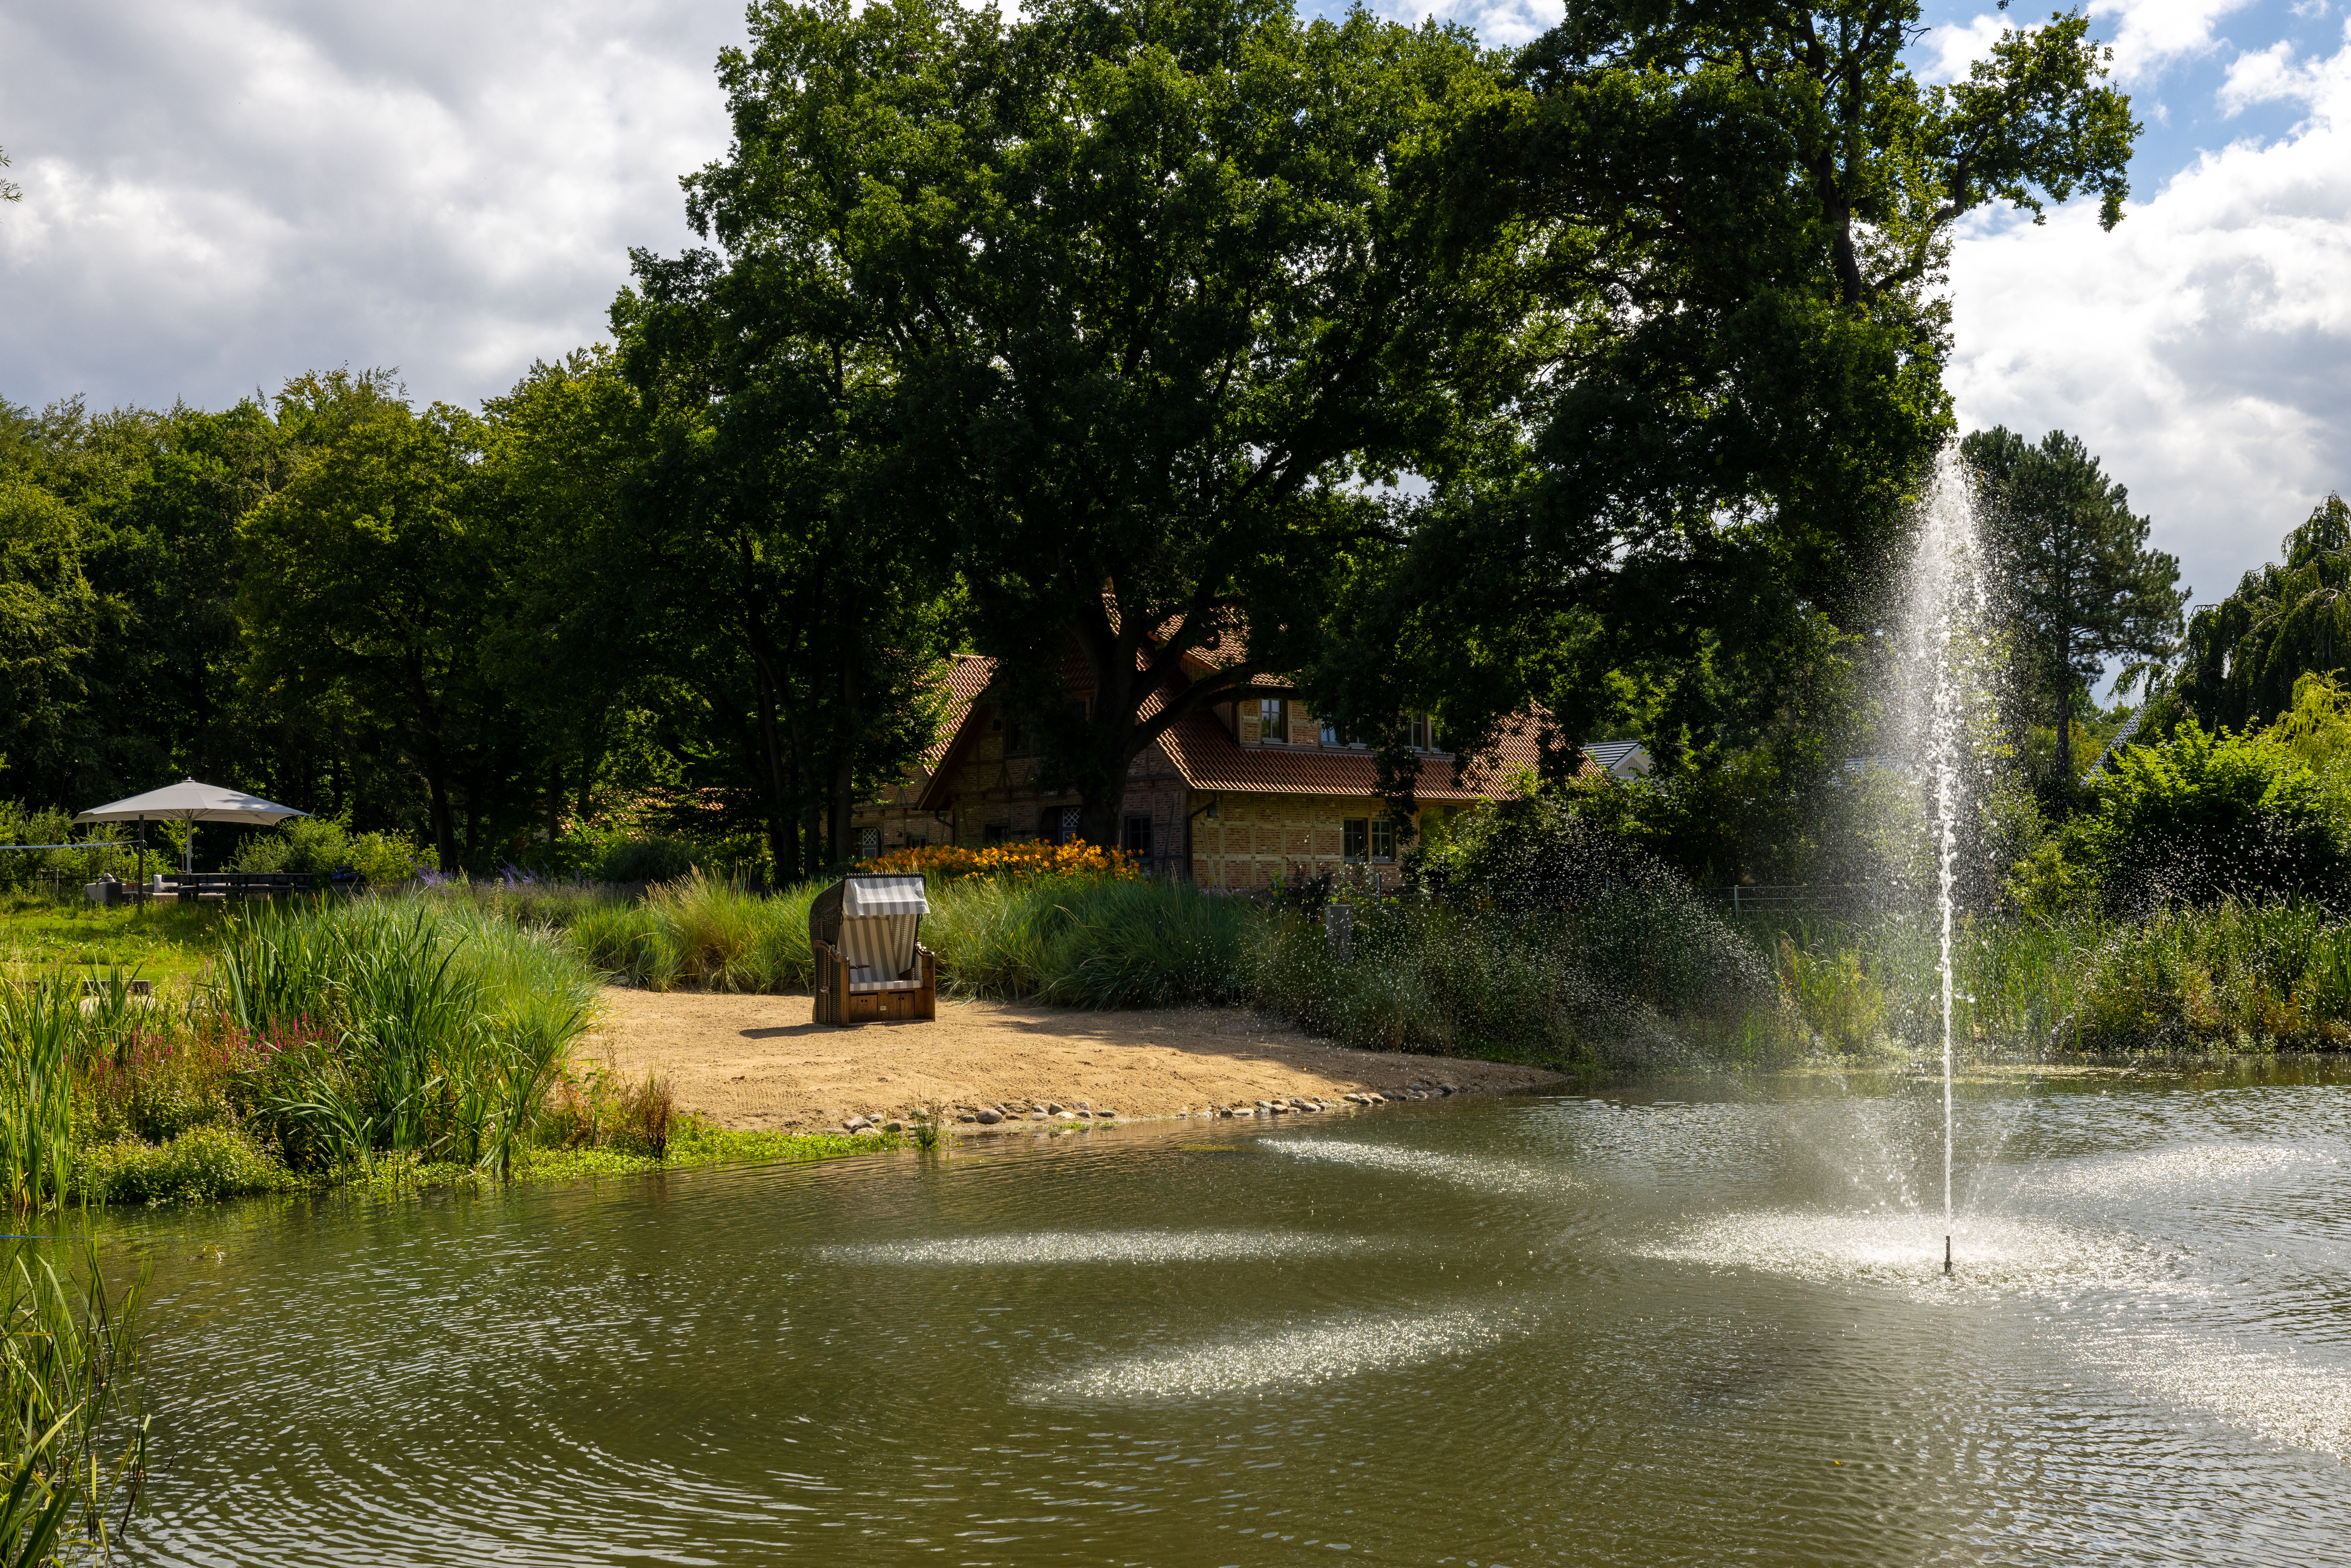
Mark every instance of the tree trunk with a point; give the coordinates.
(844, 763)
(2065, 737)
(783, 853)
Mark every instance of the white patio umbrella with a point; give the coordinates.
(189, 802)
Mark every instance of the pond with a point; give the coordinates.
(1681, 1326)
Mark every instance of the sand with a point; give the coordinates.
(760, 1061)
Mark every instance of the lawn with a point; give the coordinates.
(146, 942)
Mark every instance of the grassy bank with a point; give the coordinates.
(38, 933)
(1627, 978)
(2269, 977)
(387, 1041)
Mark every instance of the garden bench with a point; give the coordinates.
(871, 966)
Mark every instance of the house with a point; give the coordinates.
(1233, 795)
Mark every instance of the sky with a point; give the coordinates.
(220, 194)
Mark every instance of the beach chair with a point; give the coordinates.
(869, 964)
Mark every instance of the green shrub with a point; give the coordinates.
(646, 860)
(2200, 818)
(203, 1164)
(386, 860)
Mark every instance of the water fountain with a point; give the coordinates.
(1945, 653)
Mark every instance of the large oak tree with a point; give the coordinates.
(1153, 279)
(1728, 222)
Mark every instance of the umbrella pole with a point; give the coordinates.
(143, 851)
(188, 849)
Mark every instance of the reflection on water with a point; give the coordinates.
(1515, 1333)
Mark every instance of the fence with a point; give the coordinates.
(1836, 899)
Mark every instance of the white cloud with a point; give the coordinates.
(1956, 46)
(2203, 349)
(2153, 33)
(224, 193)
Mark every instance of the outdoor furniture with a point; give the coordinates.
(226, 884)
(870, 966)
(188, 803)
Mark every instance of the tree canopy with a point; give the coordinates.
(2079, 582)
(2284, 620)
(1723, 231)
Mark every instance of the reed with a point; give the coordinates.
(42, 1028)
(73, 1435)
(403, 1025)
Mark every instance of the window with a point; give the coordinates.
(995, 832)
(1330, 733)
(1137, 839)
(1383, 839)
(1354, 838)
(1423, 737)
(1273, 719)
(869, 843)
(1016, 739)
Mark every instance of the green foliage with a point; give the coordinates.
(1148, 280)
(2076, 576)
(1726, 231)
(98, 849)
(1091, 942)
(407, 1026)
(73, 1436)
(322, 846)
(49, 621)
(201, 1164)
(367, 577)
(646, 860)
(2245, 654)
(2201, 817)
(1622, 978)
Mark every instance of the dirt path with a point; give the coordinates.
(760, 1062)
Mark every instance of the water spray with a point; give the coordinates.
(1954, 607)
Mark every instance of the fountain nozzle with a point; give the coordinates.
(1946, 1255)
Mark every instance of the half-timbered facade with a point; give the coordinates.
(1233, 795)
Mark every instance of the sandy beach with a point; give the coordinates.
(760, 1061)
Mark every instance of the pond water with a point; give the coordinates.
(1654, 1329)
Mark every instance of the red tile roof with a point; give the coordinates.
(966, 681)
(1211, 760)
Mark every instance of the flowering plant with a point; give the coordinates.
(960, 863)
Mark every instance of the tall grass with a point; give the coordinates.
(2231, 976)
(41, 1025)
(73, 1438)
(399, 1026)
(1628, 978)
(1091, 942)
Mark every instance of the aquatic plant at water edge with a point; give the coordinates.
(405, 1026)
(73, 1436)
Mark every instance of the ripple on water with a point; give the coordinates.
(1906, 1249)
(1037, 1248)
(2273, 1396)
(1320, 1352)
(1463, 1170)
(2200, 1165)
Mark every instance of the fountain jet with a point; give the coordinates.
(1949, 701)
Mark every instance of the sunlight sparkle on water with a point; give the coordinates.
(1035, 1248)
(1491, 1175)
(1344, 1347)
(1906, 1250)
